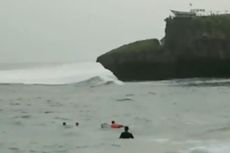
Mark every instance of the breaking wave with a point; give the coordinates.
(91, 74)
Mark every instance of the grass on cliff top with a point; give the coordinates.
(220, 22)
(207, 23)
(138, 46)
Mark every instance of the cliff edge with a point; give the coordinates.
(197, 46)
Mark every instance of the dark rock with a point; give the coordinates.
(192, 47)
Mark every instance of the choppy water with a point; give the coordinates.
(189, 116)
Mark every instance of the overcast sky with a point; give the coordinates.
(81, 30)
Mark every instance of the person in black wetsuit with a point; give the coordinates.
(126, 134)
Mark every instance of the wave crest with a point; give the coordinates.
(99, 81)
(89, 74)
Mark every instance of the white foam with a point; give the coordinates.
(59, 74)
(161, 140)
(211, 149)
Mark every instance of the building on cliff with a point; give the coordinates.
(191, 13)
(198, 12)
(183, 14)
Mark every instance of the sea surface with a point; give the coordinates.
(177, 116)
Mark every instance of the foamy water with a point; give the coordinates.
(180, 116)
(58, 74)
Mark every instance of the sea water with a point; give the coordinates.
(177, 116)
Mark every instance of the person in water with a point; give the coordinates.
(126, 134)
(115, 125)
(64, 124)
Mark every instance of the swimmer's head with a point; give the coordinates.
(64, 123)
(126, 128)
(77, 123)
(112, 122)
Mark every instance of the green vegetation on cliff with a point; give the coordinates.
(208, 24)
(215, 23)
(180, 32)
(138, 46)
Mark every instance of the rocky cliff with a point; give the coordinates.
(192, 47)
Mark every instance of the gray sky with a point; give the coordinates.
(81, 30)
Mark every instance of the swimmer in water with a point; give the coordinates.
(64, 124)
(126, 134)
(115, 125)
(77, 124)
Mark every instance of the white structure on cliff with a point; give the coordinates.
(198, 12)
(191, 13)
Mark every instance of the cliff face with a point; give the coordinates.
(181, 32)
(200, 45)
(193, 47)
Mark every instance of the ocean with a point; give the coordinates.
(176, 116)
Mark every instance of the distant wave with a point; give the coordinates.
(193, 82)
(88, 74)
(202, 82)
